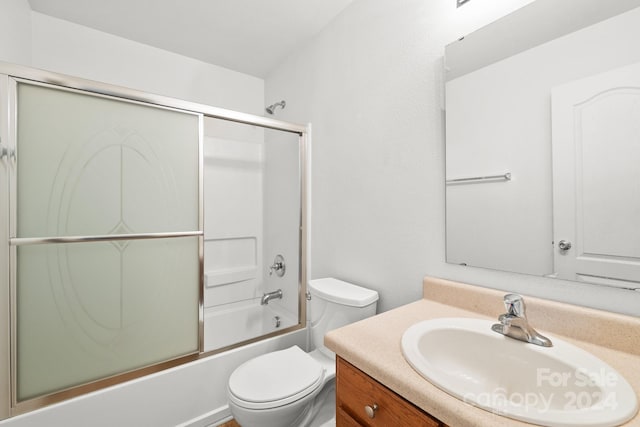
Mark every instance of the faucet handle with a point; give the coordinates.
(278, 266)
(514, 304)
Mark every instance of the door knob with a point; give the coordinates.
(564, 245)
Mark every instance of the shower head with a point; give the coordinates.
(272, 108)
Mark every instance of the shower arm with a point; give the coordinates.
(272, 108)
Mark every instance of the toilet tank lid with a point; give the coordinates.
(340, 292)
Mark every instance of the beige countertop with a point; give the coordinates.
(373, 345)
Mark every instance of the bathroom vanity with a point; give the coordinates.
(363, 401)
(371, 369)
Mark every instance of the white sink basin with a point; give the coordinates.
(561, 385)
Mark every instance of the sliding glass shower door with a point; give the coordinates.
(102, 266)
(105, 237)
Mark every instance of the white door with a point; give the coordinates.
(596, 178)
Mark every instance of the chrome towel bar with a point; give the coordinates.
(503, 177)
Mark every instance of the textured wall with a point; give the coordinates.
(72, 49)
(15, 31)
(371, 84)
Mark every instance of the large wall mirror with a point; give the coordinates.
(543, 143)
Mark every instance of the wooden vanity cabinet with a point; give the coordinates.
(363, 401)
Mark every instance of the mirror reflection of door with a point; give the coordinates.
(596, 178)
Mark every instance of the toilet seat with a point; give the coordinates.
(275, 379)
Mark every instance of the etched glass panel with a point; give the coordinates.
(91, 165)
(86, 311)
(94, 165)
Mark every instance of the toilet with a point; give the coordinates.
(287, 387)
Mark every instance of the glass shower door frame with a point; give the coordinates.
(17, 406)
(9, 74)
(5, 279)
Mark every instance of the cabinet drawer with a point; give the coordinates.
(345, 420)
(355, 390)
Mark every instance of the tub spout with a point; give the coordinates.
(268, 296)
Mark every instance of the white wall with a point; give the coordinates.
(371, 84)
(15, 31)
(72, 49)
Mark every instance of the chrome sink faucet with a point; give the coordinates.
(514, 323)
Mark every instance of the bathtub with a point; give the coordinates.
(229, 324)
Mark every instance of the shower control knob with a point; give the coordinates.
(278, 266)
(371, 410)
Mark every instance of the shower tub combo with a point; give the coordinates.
(138, 234)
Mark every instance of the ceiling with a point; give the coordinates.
(249, 36)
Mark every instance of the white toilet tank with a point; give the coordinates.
(335, 303)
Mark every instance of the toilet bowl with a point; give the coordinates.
(287, 387)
